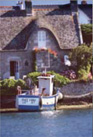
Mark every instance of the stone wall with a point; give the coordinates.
(53, 63)
(27, 55)
(56, 64)
(21, 57)
(77, 88)
(51, 41)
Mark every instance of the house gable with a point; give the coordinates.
(87, 10)
(15, 30)
(50, 40)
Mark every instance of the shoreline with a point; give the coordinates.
(59, 107)
(67, 107)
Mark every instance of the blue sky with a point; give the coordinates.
(35, 2)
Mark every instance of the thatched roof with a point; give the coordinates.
(16, 27)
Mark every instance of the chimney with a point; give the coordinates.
(20, 5)
(84, 2)
(74, 6)
(73, 1)
(28, 7)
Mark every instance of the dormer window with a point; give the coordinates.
(41, 39)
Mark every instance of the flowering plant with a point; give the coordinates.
(69, 74)
(52, 52)
(43, 74)
(36, 49)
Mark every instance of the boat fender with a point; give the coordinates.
(60, 95)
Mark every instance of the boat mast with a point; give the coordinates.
(46, 66)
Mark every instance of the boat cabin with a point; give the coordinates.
(46, 82)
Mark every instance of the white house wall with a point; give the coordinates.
(83, 18)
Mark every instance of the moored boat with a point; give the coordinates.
(40, 99)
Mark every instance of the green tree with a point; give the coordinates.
(87, 28)
(87, 33)
(82, 55)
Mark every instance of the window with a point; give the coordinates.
(26, 63)
(41, 39)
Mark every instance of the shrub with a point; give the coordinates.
(33, 76)
(87, 33)
(0, 84)
(8, 86)
(69, 74)
(8, 83)
(87, 28)
(11, 83)
(21, 83)
(84, 72)
(58, 79)
(83, 56)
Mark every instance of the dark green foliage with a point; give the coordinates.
(33, 76)
(87, 28)
(58, 79)
(87, 33)
(83, 56)
(0, 84)
(83, 73)
(21, 83)
(8, 86)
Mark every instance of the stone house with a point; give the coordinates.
(37, 36)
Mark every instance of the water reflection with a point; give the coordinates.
(64, 123)
(53, 114)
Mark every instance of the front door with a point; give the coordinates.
(13, 68)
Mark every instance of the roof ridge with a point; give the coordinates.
(6, 6)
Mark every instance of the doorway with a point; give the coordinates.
(13, 68)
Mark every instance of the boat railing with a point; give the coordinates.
(25, 92)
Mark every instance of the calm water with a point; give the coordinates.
(66, 123)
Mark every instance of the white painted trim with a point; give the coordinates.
(13, 59)
(83, 18)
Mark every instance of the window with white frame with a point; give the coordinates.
(41, 39)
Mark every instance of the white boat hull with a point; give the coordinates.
(27, 102)
(32, 102)
(49, 102)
